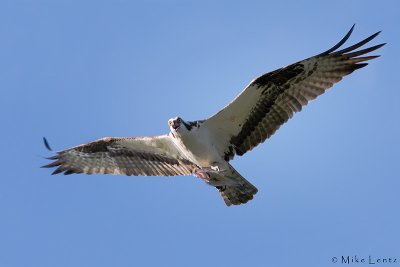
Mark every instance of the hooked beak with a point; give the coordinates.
(175, 125)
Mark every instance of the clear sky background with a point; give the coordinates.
(75, 71)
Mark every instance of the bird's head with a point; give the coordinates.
(181, 127)
(175, 124)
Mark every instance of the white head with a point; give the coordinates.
(176, 125)
(181, 127)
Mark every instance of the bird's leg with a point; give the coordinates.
(211, 175)
(203, 174)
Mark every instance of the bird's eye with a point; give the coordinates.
(179, 120)
(169, 123)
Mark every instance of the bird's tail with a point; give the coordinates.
(240, 192)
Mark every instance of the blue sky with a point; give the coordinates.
(75, 71)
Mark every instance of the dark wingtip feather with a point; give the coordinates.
(358, 66)
(58, 170)
(53, 157)
(380, 45)
(51, 165)
(344, 39)
(357, 45)
(68, 172)
(46, 144)
(363, 51)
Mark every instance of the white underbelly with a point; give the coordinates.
(199, 149)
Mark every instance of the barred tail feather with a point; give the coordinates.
(237, 194)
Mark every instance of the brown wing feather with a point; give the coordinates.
(154, 156)
(271, 100)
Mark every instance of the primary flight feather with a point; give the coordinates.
(204, 148)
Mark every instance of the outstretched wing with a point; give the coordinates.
(149, 156)
(271, 99)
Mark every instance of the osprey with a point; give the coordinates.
(204, 148)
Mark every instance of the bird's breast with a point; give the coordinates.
(199, 148)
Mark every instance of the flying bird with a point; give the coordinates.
(204, 148)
